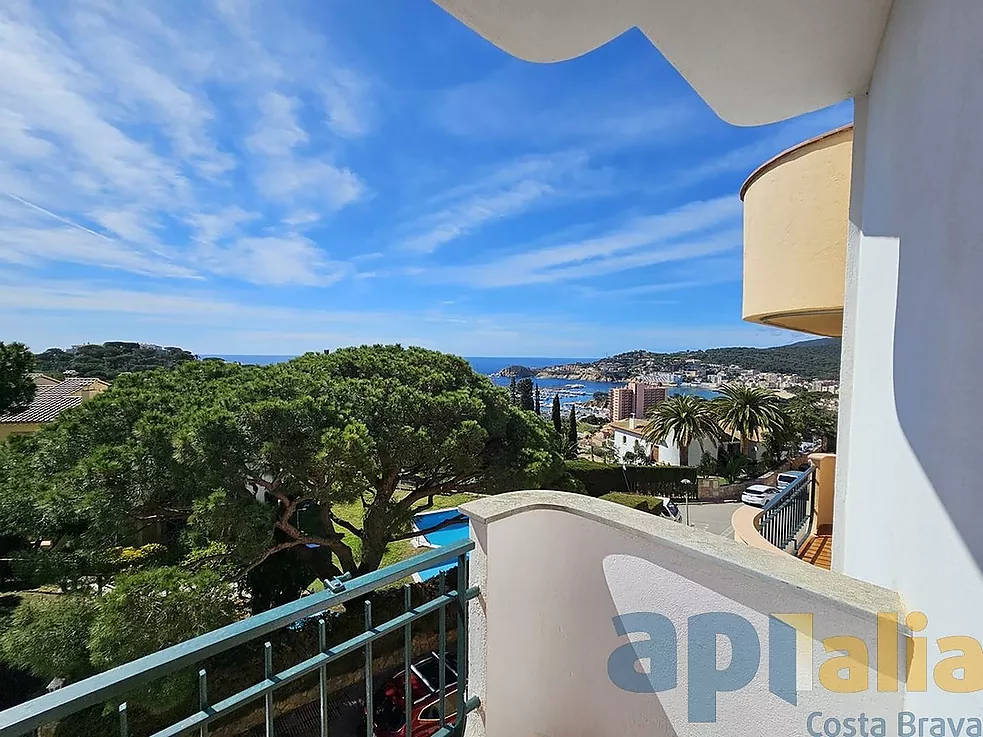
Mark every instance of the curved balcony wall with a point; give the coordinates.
(796, 213)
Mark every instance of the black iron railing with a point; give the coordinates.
(785, 520)
(114, 684)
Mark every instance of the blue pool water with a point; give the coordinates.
(448, 535)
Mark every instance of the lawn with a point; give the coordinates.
(402, 549)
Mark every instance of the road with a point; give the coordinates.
(714, 518)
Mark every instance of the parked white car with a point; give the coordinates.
(784, 479)
(757, 495)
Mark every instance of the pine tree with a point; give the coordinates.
(572, 433)
(539, 408)
(526, 400)
(557, 417)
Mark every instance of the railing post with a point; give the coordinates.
(369, 707)
(203, 699)
(322, 646)
(462, 640)
(407, 662)
(442, 652)
(268, 705)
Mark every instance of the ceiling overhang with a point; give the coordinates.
(753, 61)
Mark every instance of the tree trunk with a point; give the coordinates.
(683, 454)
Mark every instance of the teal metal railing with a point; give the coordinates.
(785, 520)
(110, 686)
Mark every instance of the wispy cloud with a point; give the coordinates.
(115, 139)
(505, 192)
(65, 311)
(604, 113)
(745, 158)
(694, 230)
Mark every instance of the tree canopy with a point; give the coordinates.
(238, 464)
(526, 399)
(17, 388)
(749, 412)
(109, 360)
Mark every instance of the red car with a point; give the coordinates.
(389, 701)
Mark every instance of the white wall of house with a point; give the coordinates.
(909, 507)
(669, 451)
(624, 443)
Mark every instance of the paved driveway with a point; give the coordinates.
(713, 518)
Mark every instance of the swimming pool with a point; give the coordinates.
(451, 533)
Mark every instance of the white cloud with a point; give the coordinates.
(710, 227)
(67, 241)
(507, 191)
(126, 124)
(345, 103)
(277, 131)
(287, 176)
(276, 261)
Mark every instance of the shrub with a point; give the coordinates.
(599, 479)
(49, 637)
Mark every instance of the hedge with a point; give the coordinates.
(635, 501)
(599, 479)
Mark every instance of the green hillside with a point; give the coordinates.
(109, 360)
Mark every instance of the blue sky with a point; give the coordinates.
(275, 177)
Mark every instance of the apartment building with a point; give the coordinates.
(636, 399)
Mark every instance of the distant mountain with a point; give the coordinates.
(109, 360)
(810, 359)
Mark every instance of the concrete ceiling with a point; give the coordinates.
(753, 61)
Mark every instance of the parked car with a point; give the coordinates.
(786, 478)
(757, 495)
(389, 702)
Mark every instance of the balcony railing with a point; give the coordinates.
(785, 520)
(111, 686)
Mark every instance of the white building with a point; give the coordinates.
(629, 438)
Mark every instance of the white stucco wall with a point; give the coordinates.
(669, 451)
(909, 505)
(554, 569)
(625, 443)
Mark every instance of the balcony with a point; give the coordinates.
(796, 213)
(799, 520)
(580, 617)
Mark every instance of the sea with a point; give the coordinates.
(571, 392)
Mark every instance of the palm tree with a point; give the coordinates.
(749, 412)
(684, 418)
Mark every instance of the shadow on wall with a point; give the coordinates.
(923, 191)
